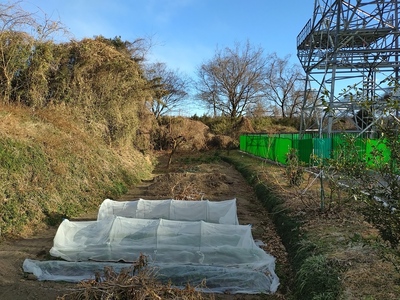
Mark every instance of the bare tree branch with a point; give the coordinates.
(283, 86)
(232, 80)
(169, 88)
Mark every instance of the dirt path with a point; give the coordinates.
(184, 179)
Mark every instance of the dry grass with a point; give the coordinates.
(188, 181)
(53, 167)
(340, 232)
(135, 283)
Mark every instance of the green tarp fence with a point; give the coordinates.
(275, 147)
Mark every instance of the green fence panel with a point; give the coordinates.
(339, 141)
(243, 143)
(251, 146)
(304, 149)
(254, 144)
(307, 136)
(285, 135)
(282, 148)
(371, 146)
(246, 146)
(270, 147)
(259, 145)
(276, 147)
(322, 147)
(263, 146)
(360, 144)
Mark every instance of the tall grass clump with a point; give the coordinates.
(317, 279)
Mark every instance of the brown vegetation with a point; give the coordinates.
(134, 283)
(339, 233)
(77, 126)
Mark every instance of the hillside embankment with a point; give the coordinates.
(52, 167)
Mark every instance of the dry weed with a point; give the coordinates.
(135, 283)
(303, 197)
(183, 188)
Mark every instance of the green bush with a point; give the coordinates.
(317, 279)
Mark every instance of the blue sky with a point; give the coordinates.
(185, 33)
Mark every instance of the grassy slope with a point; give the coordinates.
(52, 168)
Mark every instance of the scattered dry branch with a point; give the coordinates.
(135, 283)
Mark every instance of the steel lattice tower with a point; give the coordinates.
(347, 49)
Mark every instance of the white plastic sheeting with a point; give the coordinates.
(164, 241)
(218, 279)
(181, 251)
(222, 212)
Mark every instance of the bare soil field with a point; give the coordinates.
(188, 177)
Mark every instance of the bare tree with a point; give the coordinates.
(283, 86)
(15, 44)
(37, 24)
(169, 88)
(13, 17)
(231, 81)
(21, 34)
